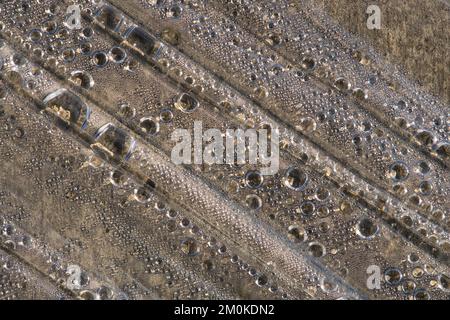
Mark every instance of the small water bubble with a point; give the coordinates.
(68, 55)
(425, 188)
(296, 234)
(118, 178)
(100, 59)
(105, 293)
(254, 179)
(88, 295)
(322, 194)
(18, 59)
(86, 48)
(149, 125)
(171, 36)
(307, 208)
(166, 116)
(421, 294)
(35, 35)
(408, 286)
(208, 265)
(87, 32)
(253, 201)
(443, 150)
(366, 228)
(126, 110)
(413, 258)
(342, 84)
(444, 282)
(327, 285)
(316, 249)
(295, 179)
(261, 280)
(50, 27)
(398, 171)
(425, 137)
(189, 247)
(307, 125)
(8, 229)
(308, 63)
(186, 103)
(393, 276)
(360, 94)
(82, 79)
(117, 55)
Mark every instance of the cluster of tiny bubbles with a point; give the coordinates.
(261, 280)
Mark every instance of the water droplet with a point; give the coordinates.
(254, 179)
(189, 247)
(307, 208)
(82, 79)
(100, 59)
(296, 234)
(366, 228)
(393, 276)
(68, 107)
(112, 141)
(149, 125)
(316, 249)
(295, 179)
(117, 55)
(398, 171)
(253, 201)
(186, 103)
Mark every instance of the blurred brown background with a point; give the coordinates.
(414, 34)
